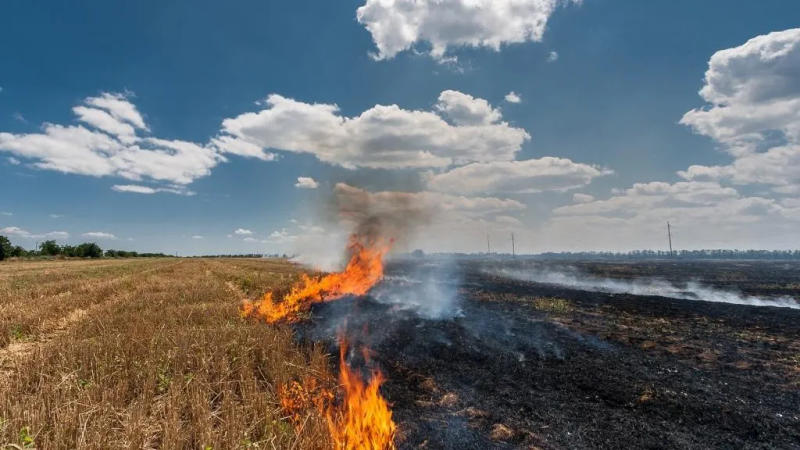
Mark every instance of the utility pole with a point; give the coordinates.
(488, 245)
(513, 247)
(669, 236)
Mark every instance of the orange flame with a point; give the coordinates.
(364, 269)
(364, 421)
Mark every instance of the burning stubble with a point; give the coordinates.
(363, 420)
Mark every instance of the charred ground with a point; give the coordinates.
(522, 364)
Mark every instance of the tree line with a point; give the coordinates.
(680, 254)
(51, 248)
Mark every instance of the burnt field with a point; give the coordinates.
(518, 354)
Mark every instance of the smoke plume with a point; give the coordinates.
(691, 290)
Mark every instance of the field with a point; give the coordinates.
(145, 354)
(154, 354)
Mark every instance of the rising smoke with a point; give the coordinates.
(690, 290)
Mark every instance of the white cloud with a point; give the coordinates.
(13, 161)
(778, 167)
(752, 90)
(464, 109)
(139, 189)
(243, 232)
(241, 147)
(111, 146)
(197, 236)
(552, 56)
(529, 176)
(6, 213)
(513, 97)
(281, 236)
(250, 239)
(119, 107)
(703, 215)
(55, 216)
(382, 136)
(398, 25)
(19, 232)
(582, 198)
(753, 95)
(104, 121)
(306, 183)
(98, 235)
(19, 117)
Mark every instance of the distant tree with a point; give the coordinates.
(50, 248)
(112, 253)
(5, 248)
(69, 250)
(18, 251)
(89, 250)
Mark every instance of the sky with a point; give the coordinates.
(202, 127)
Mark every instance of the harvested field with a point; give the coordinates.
(146, 354)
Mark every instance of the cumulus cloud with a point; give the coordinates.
(753, 95)
(139, 189)
(582, 198)
(281, 236)
(464, 109)
(552, 56)
(512, 97)
(703, 215)
(752, 90)
(243, 232)
(98, 235)
(22, 233)
(108, 143)
(381, 137)
(306, 183)
(197, 236)
(529, 176)
(398, 25)
(778, 167)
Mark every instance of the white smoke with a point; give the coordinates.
(692, 290)
(430, 290)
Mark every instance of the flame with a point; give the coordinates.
(364, 269)
(364, 420)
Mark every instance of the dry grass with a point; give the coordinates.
(147, 354)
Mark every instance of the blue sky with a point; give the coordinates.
(603, 89)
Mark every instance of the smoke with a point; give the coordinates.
(375, 218)
(690, 290)
(428, 289)
(381, 216)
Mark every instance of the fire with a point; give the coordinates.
(364, 420)
(364, 269)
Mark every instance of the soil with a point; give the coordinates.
(516, 364)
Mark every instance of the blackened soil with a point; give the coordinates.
(525, 365)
